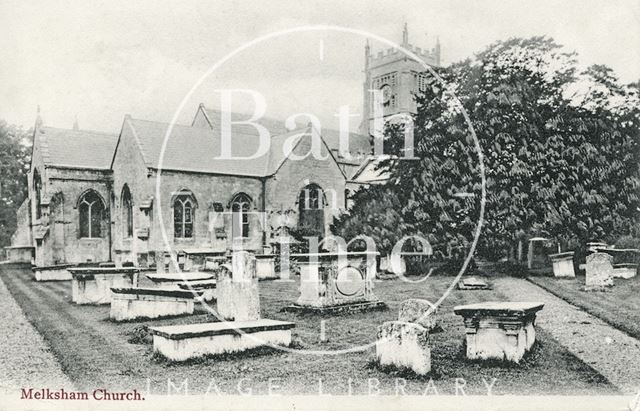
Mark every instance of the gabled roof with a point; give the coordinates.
(358, 143)
(370, 172)
(196, 149)
(76, 148)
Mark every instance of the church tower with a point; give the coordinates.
(397, 77)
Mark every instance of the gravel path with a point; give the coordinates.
(608, 350)
(25, 358)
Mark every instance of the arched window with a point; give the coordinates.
(127, 212)
(183, 215)
(37, 187)
(91, 209)
(311, 204)
(240, 206)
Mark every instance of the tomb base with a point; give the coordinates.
(499, 330)
(93, 285)
(183, 342)
(266, 267)
(135, 303)
(404, 345)
(625, 270)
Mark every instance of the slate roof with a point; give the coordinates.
(358, 143)
(370, 173)
(194, 149)
(76, 148)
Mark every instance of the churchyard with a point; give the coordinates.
(94, 351)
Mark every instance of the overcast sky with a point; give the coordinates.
(101, 60)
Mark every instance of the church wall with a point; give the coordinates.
(285, 187)
(207, 190)
(62, 243)
(129, 168)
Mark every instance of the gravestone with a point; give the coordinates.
(418, 311)
(237, 290)
(239, 308)
(404, 345)
(599, 271)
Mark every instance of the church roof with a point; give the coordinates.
(76, 148)
(195, 149)
(358, 143)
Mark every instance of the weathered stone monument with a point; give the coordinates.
(171, 280)
(404, 344)
(499, 330)
(238, 294)
(599, 272)
(238, 300)
(52, 273)
(337, 282)
(420, 312)
(266, 266)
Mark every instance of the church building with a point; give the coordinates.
(131, 196)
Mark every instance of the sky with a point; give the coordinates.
(99, 60)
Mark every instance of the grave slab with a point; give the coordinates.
(473, 283)
(135, 303)
(206, 287)
(404, 345)
(499, 330)
(92, 285)
(52, 273)
(171, 280)
(183, 342)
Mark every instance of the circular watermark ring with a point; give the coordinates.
(323, 28)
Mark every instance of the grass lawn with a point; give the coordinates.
(95, 352)
(618, 306)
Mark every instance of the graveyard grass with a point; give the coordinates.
(95, 352)
(619, 306)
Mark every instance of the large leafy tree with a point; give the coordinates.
(14, 165)
(560, 150)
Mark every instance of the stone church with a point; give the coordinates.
(129, 198)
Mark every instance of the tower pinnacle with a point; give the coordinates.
(405, 35)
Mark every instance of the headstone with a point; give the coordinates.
(499, 330)
(237, 291)
(563, 265)
(404, 345)
(473, 283)
(418, 311)
(599, 271)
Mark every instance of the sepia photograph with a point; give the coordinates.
(317, 205)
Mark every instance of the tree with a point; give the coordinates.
(558, 160)
(14, 165)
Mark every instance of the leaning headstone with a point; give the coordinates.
(404, 345)
(599, 271)
(418, 311)
(473, 283)
(238, 295)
